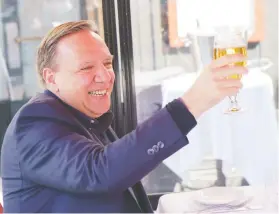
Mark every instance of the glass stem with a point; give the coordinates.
(234, 103)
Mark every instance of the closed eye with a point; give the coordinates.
(108, 65)
(87, 68)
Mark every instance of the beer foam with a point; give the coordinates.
(230, 44)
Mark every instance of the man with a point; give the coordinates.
(60, 154)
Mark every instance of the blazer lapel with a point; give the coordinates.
(142, 198)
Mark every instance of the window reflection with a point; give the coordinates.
(165, 66)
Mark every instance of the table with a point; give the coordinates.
(259, 200)
(247, 141)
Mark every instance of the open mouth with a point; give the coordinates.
(98, 93)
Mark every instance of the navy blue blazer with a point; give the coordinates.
(54, 161)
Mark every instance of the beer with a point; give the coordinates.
(219, 52)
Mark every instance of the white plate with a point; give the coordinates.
(220, 195)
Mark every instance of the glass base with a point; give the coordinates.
(234, 110)
(234, 106)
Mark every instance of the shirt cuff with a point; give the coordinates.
(181, 116)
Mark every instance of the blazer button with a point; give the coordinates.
(161, 144)
(155, 148)
(150, 152)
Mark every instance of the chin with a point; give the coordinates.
(104, 110)
(101, 110)
(98, 107)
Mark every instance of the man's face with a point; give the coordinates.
(84, 75)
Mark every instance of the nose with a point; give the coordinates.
(102, 75)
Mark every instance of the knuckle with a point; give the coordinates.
(211, 67)
(215, 77)
(219, 90)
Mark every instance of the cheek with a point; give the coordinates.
(84, 80)
(112, 76)
(63, 80)
(81, 85)
(73, 83)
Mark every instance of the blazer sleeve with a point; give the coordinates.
(54, 155)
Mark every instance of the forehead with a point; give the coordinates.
(83, 44)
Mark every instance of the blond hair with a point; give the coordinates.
(47, 48)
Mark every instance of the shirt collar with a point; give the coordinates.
(100, 124)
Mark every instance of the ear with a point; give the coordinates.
(49, 76)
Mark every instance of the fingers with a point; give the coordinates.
(228, 59)
(224, 72)
(230, 83)
(230, 92)
(229, 87)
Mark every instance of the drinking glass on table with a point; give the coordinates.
(231, 40)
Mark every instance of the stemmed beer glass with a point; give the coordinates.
(231, 40)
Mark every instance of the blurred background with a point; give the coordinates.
(155, 62)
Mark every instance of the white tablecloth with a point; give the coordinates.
(253, 200)
(247, 141)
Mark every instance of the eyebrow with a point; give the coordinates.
(85, 63)
(109, 58)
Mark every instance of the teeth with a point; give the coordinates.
(98, 93)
